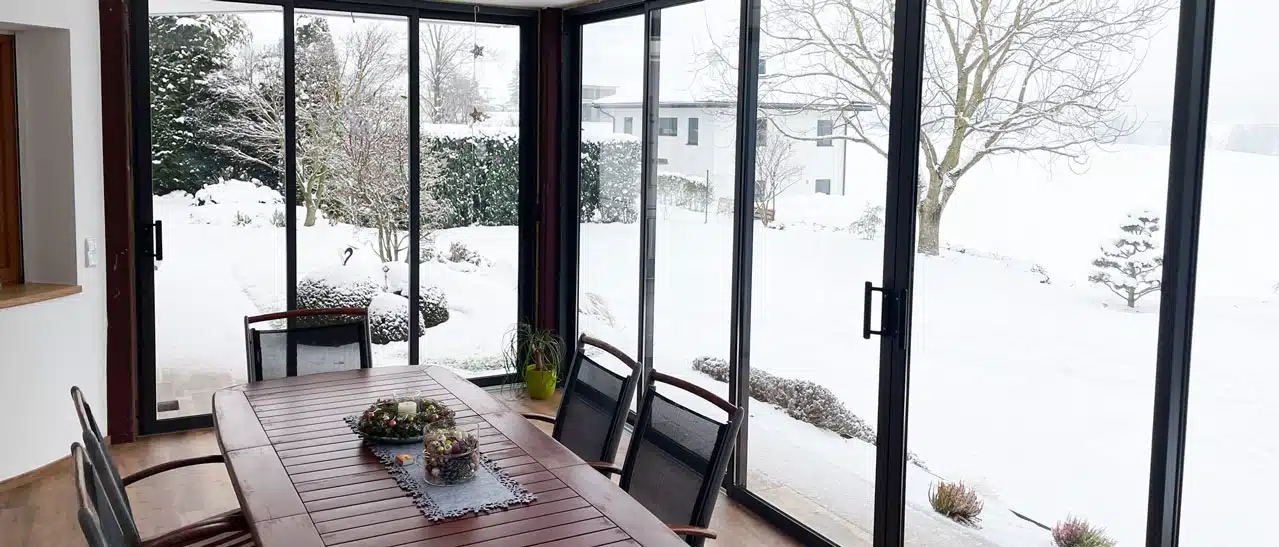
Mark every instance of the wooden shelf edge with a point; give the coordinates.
(21, 294)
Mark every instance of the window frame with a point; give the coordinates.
(817, 186)
(829, 130)
(694, 128)
(11, 270)
(628, 124)
(672, 130)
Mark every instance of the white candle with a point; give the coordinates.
(406, 408)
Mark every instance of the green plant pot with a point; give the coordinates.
(541, 383)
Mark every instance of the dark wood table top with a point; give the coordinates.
(304, 480)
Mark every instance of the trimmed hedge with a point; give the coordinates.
(479, 175)
(805, 401)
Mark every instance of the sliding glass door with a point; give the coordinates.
(292, 156)
(933, 266)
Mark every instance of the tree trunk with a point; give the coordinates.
(929, 227)
(310, 210)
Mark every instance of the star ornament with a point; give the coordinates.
(478, 116)
(477, 51)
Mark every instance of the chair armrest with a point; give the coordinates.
(695, 531)
(202, 530)
(169, 466)
(605, 467)
(538, 417)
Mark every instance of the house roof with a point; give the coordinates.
(606, 103)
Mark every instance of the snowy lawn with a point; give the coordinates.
(1039, 395)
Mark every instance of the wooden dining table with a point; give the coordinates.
(304, 479)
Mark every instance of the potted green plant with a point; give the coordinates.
(535, 355)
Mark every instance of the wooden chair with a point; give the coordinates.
(111, 486)
(324, 340)
(677, 457)
(592, 414)
(104, 525)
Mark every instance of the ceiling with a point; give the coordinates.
(209, 6)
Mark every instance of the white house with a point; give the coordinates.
(697, 138)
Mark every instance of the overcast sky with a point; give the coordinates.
(1245, 74)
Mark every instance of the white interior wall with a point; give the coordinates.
(47, 347)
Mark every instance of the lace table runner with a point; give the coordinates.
(490, 490)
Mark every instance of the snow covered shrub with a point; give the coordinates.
(956, 502)
(479, 174)
(459, 252)
(277, 218)
(1076, 532)
(684, 191)
(1132, 264)
(388, 318)
(242, 219)
(1038, 269)
(610, 177)
(868, 225)
(803, 400)
(337, 287)
(433, 306)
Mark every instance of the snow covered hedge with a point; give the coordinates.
(479, 176)
(386, 299)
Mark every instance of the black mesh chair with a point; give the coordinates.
(592, 414)
(108, 488)
(678, 456)
(325, 340)
(105, 525)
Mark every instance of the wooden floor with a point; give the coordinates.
(42, 513)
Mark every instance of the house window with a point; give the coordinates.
(763, 67)
(668, 127)
(761, 132)
(825, 128)
(823, 186)
(628, 125)
(663, 161)
(692, 131)
(10, 203)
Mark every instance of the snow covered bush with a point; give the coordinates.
(610, 177)
(1132, 264)
(868, 225)
(459, 252)
(803, 400)
(1076, 532)
(433, 305)
(237, 192)
(684, 191)
(956, 502)
(278, 219)
(242, 219)
(388, 318)
(337, 287)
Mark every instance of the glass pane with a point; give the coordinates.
(470, 193)
(1043, 182)
(609, 246)
(819, 230)
(1232, 447)
(216, 150)
(352, 171)
(693, 183)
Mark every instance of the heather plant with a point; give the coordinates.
(956, 501)
(1076, 532)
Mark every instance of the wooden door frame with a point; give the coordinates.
(117, 191)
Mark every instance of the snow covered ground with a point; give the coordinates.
(1039, 395)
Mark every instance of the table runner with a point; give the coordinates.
(490, 490)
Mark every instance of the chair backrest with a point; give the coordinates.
(102, 458)
(592, 414)
(319, 340)
(678, 456)
(98, 521)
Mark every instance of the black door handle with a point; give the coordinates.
(159, 240)
(866, 330)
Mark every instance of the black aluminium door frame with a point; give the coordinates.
(414, 12)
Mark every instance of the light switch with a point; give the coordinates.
(90, 252)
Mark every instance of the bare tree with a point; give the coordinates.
(370, 187)
(775, 172)
(1000, 77)
(449, 90)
